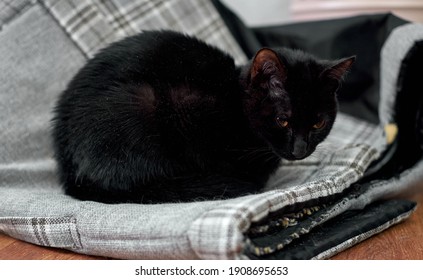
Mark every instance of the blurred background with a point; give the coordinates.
(269, 12)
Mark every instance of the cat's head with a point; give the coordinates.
(290, 99)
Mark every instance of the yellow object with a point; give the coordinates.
(391, 131)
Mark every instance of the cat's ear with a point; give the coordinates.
(266, 64)
(338, 70)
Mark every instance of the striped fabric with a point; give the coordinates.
(93, 24)
(32, 205)
(52, 232)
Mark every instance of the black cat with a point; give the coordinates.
(163, 117)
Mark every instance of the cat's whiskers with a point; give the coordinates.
(257, 154)
(272, 157)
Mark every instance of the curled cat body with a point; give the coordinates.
(164, 117)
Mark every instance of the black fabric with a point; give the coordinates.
(408, 147)
(279, 233)
(362, 36)
(409, 108)
(348, 225)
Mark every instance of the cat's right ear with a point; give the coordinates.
(267, 65)
(339, 69)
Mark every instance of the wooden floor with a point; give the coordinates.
(403, 241)
(400, 242)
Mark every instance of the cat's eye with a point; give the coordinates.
(320, 124)
(282, 122)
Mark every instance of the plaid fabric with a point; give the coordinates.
(57, 232)
(32, 207)
(9, 9)
(93, 24)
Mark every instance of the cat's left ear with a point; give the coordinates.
(338, 70)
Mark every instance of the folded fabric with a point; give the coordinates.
(315, 199)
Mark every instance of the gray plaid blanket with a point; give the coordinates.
(36, 64)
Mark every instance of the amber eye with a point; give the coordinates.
(282, 122)
(319, 124)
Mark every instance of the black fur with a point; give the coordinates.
(163, 117)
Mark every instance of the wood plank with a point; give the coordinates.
(12, 249)
(5, 242)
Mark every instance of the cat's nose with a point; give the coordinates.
(299, 150)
